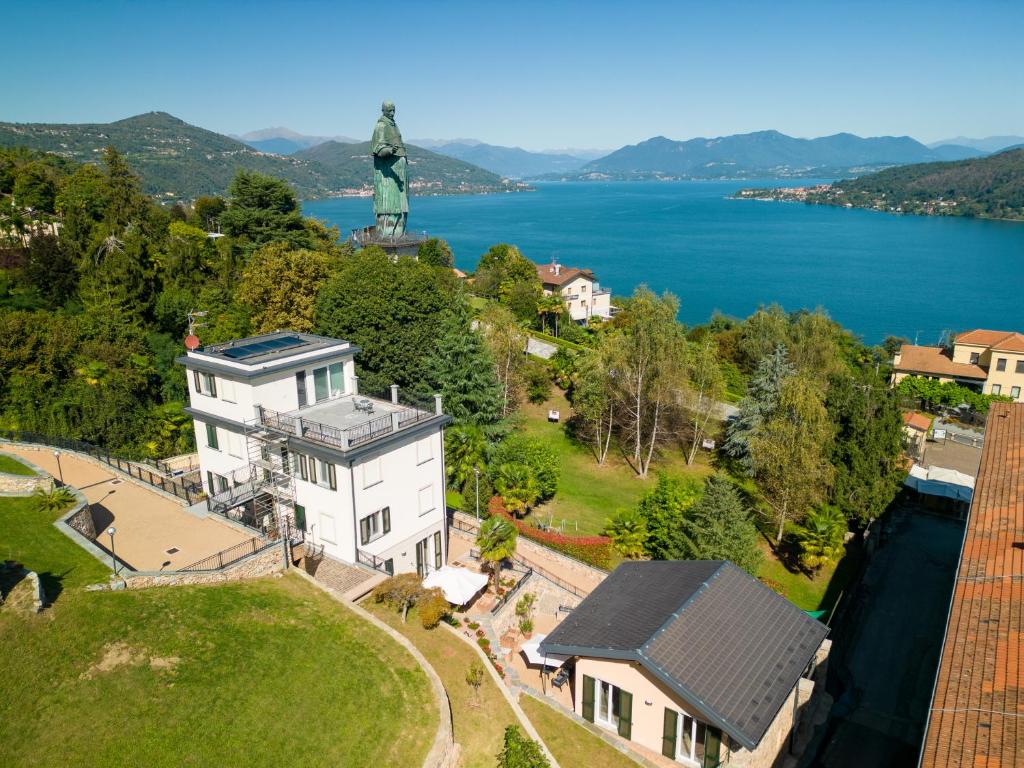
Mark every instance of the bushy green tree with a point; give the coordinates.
(758, 406)
(280, 285)
(535, 454)
(519, 751)
(462, 370)
(662, 509)
(538, 382)
(435, 252)
(34, 187)
(262, 210)
(517, 485)
(720, 527)
(465, 450)
(395, 311)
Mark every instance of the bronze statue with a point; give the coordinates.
(390, 179)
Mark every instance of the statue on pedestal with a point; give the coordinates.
(390, 176)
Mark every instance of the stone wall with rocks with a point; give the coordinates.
(18, 485)
(264, 563)
(82, 522)
(549, 597)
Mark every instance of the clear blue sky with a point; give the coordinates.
(535, 74)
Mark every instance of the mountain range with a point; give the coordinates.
(986, 145)
(284, 141)
(180, 161)
(765, 154)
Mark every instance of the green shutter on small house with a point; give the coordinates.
(588, 698)
(625, 714)
(668, 734)
(712, 747)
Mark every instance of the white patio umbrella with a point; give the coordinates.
(533, 653)
(459, 585)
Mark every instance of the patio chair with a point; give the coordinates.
(561, 678)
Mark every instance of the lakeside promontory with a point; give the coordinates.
(988, 187)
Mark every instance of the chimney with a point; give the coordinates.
(558, 268)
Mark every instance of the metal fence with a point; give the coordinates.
(231, 555)
(190, 491)
(510, 593)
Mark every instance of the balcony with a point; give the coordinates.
(349, 421)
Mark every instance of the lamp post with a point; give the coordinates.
(60, 472)
(113, 558)
(476, 471)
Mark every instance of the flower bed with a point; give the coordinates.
(594, 550)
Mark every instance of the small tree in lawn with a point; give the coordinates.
(821, 536)
(497, 541)
(474, 679)
(401, 592)
(518, 751)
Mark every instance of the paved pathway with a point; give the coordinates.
(148, 523)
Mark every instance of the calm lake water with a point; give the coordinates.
(875, 273)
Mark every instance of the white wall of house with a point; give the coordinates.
(230, 456)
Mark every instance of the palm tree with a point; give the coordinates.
(465, 449)
(52, 499)
(821, 537)
(497, 542)
(517, 486)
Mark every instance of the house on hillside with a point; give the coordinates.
(583, 296)
(693, 660)
(991, 362)
(286, 439)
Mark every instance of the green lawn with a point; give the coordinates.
(12, 466)
(572, 745)
(262, 673)
(478, 729)
(811, 593)
(588, 493)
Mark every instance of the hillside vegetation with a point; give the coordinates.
(991, 186)
(178, 161)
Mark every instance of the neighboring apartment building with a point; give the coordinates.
(991, 362)
(584, 298)
(978, 695)
(283, 433)
(692, 659)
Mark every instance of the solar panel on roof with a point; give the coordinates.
(255, 348)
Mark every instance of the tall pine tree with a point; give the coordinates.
(719, 527)
(758, 406)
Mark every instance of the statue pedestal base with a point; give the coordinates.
(406, 245)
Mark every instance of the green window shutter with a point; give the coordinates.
(364, 530)
(300, 517)
(712, 747)
(668, 734)
(588, 698)
(211, 437)
(625, 714)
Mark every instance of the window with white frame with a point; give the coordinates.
(997, 389)
(375, 525)
(371, 472)
(228, 391)
(206, 384)
(424, 450)
(328, 381)
(426, 499)
(1015, 393)
(327, 528)
(690, 741)
(325, 474)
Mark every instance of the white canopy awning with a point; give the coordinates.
(533, 654)
(940, 481)
(459, 585)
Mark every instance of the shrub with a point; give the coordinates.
(472, 625)
(538, 382)
(53, 500)
(474, 679)
(535, 454)
(484, 643)
(433, 607)
(518, 751)
(628, 529)
(401, 593)
(526, 625)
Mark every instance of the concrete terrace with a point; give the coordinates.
(148, 523)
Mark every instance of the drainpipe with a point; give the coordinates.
(355, 517)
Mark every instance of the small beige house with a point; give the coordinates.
(694, 660)
(583, 296)
(991, 362)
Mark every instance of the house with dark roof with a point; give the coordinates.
(991, 362)
(693, 659)
(583, 296)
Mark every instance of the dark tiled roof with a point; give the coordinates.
(726, 643)
(978, 701)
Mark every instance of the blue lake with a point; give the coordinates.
(875, 273)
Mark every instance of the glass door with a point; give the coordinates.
(606, 704)
(421, 557)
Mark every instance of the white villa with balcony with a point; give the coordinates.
(583, 296)
(287, 441)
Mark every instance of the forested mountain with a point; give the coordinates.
(762, 154)
(985, 145)
(511, 162)
(349, 166)
(990, 186)
(284, 141)
(180, 161)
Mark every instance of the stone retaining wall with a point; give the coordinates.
(21, 485)
(549, 597)
(82, 522)
(261, 564)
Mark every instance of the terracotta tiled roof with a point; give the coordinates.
(917, 421)
(934, 361)
(1001, 340)
(977, 711)
(546, 273)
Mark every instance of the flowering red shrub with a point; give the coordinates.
(595, 550)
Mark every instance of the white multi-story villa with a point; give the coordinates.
(286, 440)
(583, 296)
